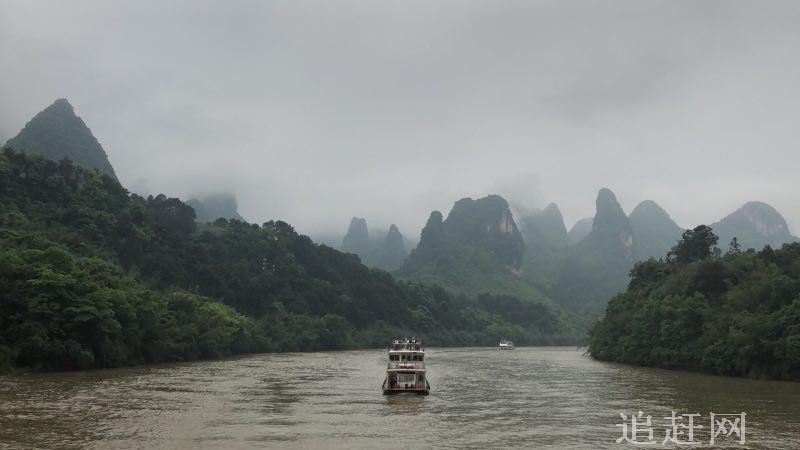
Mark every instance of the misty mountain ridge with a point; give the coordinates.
(596, 267)
(489, 223)
(357, 238)
(211, 207)
(755, 225)
(654, 231)
(478, 248)
(546, 239)
(56, 133)
(544, 228)
(580, 230)
(386, 250)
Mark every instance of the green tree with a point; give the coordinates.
(695, 245)
(734, 248)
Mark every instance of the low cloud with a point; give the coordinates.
(314, 112)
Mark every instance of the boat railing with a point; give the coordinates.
(406, 365)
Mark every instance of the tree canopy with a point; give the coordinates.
(737, 314)
(695, 245)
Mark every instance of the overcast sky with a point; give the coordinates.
(313, 112)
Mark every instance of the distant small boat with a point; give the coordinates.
(405, 373)
(506, 345)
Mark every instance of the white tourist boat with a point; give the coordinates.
(506, 345)
(405, 373)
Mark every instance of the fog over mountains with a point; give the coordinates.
(480, 246)
(315, 114)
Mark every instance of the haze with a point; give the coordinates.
(313, 112)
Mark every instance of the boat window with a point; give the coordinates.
(405, 377)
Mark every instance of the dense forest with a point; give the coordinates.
(736, 313)
(94, 276)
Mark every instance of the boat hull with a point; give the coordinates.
(409, 391)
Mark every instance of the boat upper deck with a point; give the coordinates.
(406, 354)
(406, 344)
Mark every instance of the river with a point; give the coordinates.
(480, 398)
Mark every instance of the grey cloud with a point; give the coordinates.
(315, 111)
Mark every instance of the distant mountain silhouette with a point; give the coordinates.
(489, 224)
(357, 238)
(544, 228)
(545, 253)
(57, 133)
(597, 267)
(580, 230)
(654, 231)
(211, 207)
(391, 252)
(754, 225)
(477, 249)
(386, 252)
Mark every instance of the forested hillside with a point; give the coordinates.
(733, 314)
(96, 277)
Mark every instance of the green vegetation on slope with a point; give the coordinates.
(737, 314)
(477, 249)
(98, 277)
(62, 311)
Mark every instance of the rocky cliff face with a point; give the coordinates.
(754, 225)
(57, 133)
(478, 248)
(487, 223)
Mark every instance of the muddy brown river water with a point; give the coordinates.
(480, 398)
